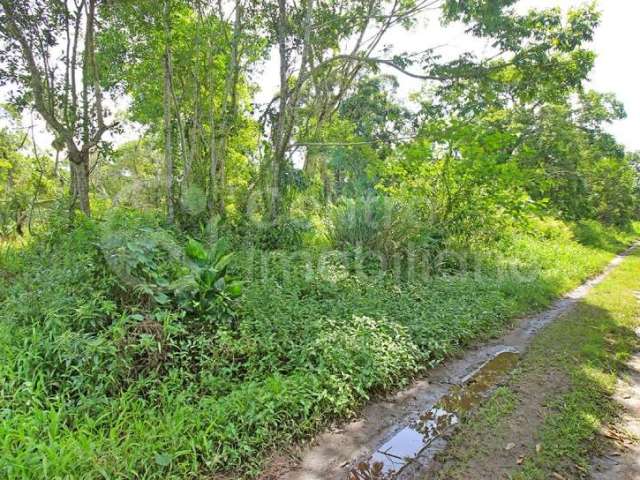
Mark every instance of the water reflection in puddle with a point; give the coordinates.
(407, 444)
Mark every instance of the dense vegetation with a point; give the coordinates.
(242, 274)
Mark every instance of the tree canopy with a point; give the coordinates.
(513, 130)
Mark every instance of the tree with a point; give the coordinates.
(166, 109)
(202, 51)
(60, 80)
(132, 175)
(315, 71)
(27, 181)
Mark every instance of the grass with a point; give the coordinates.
(88, 390)
(598, 338)
(585, 351)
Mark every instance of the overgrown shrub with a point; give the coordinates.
(376, 223)
(155, 269)
(100, 384)
(613, 191)
(61, 282)
(145, 259)
(282, 233)
(208, 292)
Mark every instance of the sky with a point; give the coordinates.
(617, 68)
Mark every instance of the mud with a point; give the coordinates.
(401, 450)
(471, 455)
(334, 454)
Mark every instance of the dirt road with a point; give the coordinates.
(621, 460)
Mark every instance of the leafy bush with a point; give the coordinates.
(145, 259)
(71, 292)
(613, 191)
(594, 234)
(208, 292)
(284, 232)
(157, 270)
(378, 224)
(546, 228)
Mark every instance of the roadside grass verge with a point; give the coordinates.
(559, 397)
(85, 391)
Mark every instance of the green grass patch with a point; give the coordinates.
(595, 341)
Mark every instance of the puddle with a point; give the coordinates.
(403, 448)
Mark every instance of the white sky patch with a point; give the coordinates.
(617, 69)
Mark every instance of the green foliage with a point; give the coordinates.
(104, 379)
(468, 197)
(379, 224)
(130, 176)
(71, 293)
(27, 183)
(284, 232)
(145, 257)
(208, 292)
(472, 179)
(613, 194)
(151, 264)
(131, 348)
(129, 48)
(375, 113)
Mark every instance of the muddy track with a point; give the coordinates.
(401, 434)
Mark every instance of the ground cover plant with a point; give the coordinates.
(108, 376)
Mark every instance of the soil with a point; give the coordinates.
(509, 445)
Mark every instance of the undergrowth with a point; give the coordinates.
(114, 367)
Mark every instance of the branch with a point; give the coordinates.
(13, 31)
(349, 144)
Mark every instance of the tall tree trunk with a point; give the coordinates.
(168, 154)
(277, 153)
(213, 167)
(230, 102)
(68, 111)
(79, 163)
(221, 132)
(289, 99)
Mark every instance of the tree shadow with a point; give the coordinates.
(594, 347)
(593, 234)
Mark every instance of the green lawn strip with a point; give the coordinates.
(597, 339)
